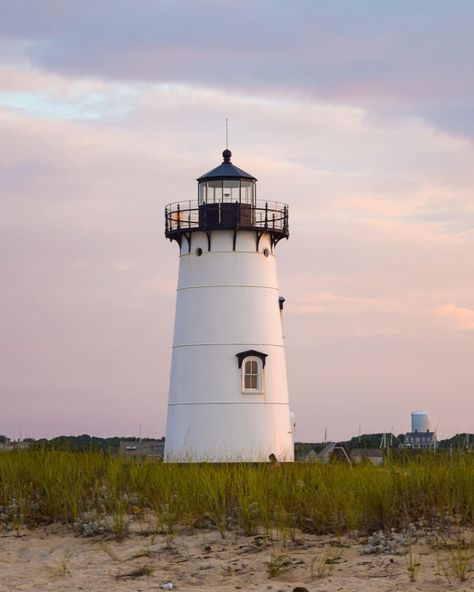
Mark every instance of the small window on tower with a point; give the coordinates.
(252, 368)
(252, 376)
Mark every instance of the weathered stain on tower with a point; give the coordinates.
(228, 397)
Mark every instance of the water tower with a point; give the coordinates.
(228, 395)
(420, 421)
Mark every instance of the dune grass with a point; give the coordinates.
(39, 487)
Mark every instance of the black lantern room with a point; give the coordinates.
(227, 200)
(227, 183)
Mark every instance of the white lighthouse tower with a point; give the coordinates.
(228, 397)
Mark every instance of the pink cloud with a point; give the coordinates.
(461, 316)
(329, 303)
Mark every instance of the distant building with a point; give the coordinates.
(320, 457)
(13, 444)
(420, 440)
(331, 450)
(326, 453)
(142, 448)
(373, 455)
(312, 456)
(420, 435)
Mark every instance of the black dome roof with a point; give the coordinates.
(226, 170)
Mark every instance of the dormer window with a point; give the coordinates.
(252, 364)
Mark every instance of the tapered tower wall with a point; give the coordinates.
(227, 303)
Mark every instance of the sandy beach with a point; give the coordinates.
(54, 558)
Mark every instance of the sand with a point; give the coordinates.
(54, 558)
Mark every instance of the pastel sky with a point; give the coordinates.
(360, 115)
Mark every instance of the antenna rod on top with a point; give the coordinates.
(226, 134)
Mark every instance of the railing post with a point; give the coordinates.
(266, 214)
(179, 216)
(166, 218)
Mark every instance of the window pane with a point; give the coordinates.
(202, 192)
(247, 192)
(214, 191)
(252, 378)
(231, 190)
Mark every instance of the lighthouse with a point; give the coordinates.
(228, 393)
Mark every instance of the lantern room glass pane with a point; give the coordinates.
(214, 191)
(202, 192)
(231, 190)
(247, 193)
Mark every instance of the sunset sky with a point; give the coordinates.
(359, 115)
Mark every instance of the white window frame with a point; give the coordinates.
(260, 376)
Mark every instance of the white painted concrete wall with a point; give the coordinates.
(227, 302)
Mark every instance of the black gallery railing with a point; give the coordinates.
(261, 215)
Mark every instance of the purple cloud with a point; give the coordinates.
(397, 59)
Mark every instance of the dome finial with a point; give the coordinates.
(227, 153)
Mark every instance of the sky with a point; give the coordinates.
(359, 115)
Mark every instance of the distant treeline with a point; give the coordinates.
(111, 445)
(459, 441)
(83, 443)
